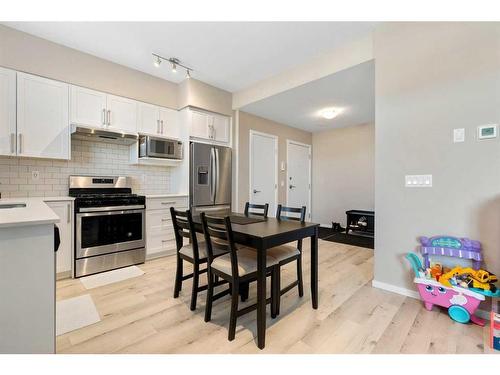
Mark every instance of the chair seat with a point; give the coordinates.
(247, 262)
(283, 252)
(187, 250)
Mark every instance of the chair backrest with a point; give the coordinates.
(283, 213)
(183, 224)
(219, 234)
(256, 209)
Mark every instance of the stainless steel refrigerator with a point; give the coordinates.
(210, 177)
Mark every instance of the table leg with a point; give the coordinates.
(314, 269)
(261, 298)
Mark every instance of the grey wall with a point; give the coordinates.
(431, 78)
(343, 172)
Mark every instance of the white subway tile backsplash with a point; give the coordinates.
(87, 158)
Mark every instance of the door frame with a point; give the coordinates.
(288, 143)
(250, 144)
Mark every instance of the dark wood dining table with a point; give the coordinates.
(261, 236)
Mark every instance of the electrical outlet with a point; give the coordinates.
(424, 180)
(35, 175)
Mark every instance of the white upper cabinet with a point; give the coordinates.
(220, 128)
(209, 126)
(158, 121)
(7, 112)
(148, 119)
(169, 123)
(88, 107)
(42, 117)
(121, 114)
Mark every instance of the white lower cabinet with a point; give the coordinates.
(64, 209)
(160, 237)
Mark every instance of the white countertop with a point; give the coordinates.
(36, 212)
(165, 195)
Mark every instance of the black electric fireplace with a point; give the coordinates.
(360, 222)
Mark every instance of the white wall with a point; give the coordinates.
(343, 172)
(431, 78)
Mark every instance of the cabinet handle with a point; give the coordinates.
(69, 213)
(103, 116)
(162, 128)
(109, 117)
(158, 126)
(12, 143)
(20, 143)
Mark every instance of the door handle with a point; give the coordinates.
(256, 191)
(292, 186)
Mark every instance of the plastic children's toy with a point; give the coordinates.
(460, 302)
(453, 247)
(495, 330)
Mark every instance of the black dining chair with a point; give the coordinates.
(194, 253)
(256, 209)
(288, 253)
(238, 265)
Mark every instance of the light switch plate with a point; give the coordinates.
(422, 180)
(458, 135)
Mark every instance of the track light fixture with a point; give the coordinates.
(175, 62)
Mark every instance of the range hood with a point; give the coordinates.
(104, 135)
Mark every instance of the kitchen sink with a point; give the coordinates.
(12, 205)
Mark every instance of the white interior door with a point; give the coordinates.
(299, 176)
(263, 170)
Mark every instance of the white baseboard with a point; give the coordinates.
(414, 294)
(160, 254)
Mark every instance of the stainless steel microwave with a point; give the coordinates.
(161, 148)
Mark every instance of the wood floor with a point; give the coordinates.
(140, 316)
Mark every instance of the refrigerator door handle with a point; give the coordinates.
(216, 173)
(211, 174)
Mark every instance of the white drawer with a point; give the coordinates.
(166, 203)
(161, 241)
(159, 219)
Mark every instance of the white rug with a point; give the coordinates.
(75, 313)
(105, 278)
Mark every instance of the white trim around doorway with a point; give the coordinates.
(288, 142)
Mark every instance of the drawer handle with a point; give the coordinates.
(171, 202)
(165, 219)
(165, 240)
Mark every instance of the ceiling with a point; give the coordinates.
(351, 91)
(228, 55)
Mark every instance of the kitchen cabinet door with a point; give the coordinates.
(7, 112)
(122, 114)
(87, 107)
(43, 129)
(64, 254)
(169, 123)
(199, 125)
(148, 119)
(220, 132)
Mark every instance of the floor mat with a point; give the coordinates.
(328, 234)
(114, 276)
(75, 313)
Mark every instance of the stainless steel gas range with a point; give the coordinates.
(109, 224)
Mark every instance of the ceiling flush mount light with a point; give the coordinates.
(329, 113)
(174, 61)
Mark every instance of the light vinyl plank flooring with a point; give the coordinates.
(139, 315)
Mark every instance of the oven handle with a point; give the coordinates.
(112, 208)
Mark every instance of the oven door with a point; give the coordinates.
(107, 232)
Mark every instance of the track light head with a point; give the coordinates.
(156, 61)
(174, 68)
(188, 74)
